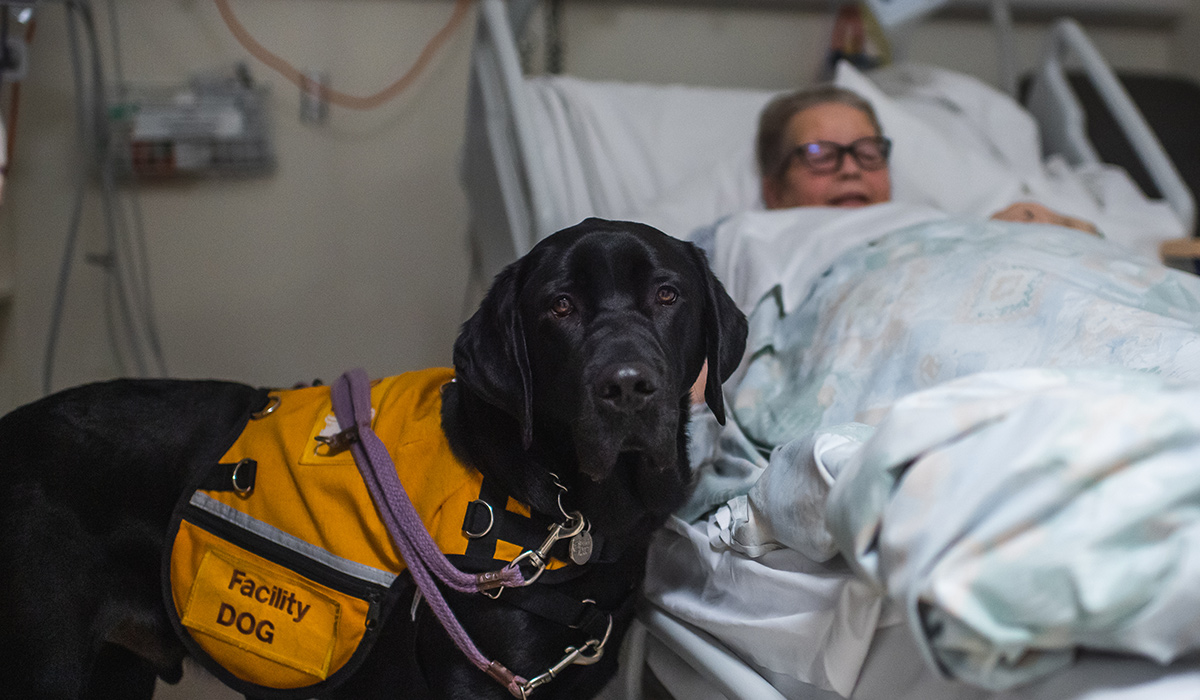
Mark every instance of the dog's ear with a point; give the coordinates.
(725, 331)
(490, 357)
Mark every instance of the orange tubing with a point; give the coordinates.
(332, 96)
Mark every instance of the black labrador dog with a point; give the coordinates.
(575, 371)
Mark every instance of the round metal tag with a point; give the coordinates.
(581, 547)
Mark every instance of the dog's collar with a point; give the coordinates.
(499, 528)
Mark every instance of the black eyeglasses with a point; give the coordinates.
(825, 157)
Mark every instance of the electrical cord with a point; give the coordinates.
(141, 255)
(126, 293)
(132, 277)
(64, 271)
(128, 303)
(14, 109)
(114, 32)
(4, 52)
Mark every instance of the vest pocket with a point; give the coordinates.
(272, 611)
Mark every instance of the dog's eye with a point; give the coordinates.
(667, 295)
(562, 307)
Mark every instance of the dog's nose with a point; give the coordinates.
(626, 387)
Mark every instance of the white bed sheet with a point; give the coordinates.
(812, 623)
(1025, 514)
(807, 629)
(755, 251)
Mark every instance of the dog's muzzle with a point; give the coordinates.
(626, 387)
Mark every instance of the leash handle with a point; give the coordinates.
(351, 398)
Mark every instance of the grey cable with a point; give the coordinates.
(64, 273)
(126, 263)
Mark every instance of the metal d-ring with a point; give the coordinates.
(272, 404)
(491, 520)
(233, 477)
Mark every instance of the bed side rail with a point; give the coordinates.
(707, 657)
(501, 165)
(1063, 122)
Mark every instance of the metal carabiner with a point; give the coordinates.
(538, 564)
(539, 558)
(574, 656)
(337, 443)
(574, 525)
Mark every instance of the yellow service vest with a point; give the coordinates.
(283, 586)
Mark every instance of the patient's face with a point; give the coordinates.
(849, 185)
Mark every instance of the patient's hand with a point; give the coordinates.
(698, 387)
(1034, 213)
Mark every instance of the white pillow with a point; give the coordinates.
(729, 187)
(929, 165)
(967, 148)
(672, 155)
(966, 110)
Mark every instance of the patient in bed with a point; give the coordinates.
(1063, 301)
(824, 147)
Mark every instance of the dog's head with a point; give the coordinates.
(592, 341)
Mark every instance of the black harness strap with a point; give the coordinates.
(236, 476)
(560, 608)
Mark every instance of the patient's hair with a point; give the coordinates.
(770, 148)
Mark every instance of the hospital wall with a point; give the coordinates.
(782, 48)
(354, 251)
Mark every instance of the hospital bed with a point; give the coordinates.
(543, 152)
(530, 167)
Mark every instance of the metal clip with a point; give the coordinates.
(539, 558)
(336, 443)
(574, 525)
(585, 655)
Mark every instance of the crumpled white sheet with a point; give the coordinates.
(790, 248)
(1130, 310)
(1015, 519)
(1022, 516)
(786, 505)
(782, 612)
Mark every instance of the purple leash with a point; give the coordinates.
(351, 397)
